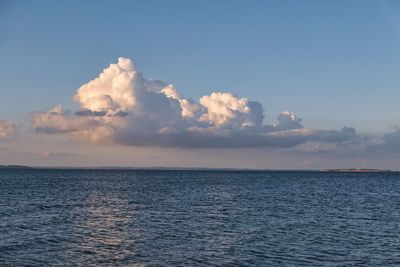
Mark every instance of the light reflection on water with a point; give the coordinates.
(186, 218)
(99, 230)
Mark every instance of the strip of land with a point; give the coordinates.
(354, 170)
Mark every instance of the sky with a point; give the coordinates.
(245, 84)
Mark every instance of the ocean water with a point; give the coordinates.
(198, 218)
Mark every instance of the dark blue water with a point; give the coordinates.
(189, 218)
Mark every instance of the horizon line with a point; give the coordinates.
(192, 168)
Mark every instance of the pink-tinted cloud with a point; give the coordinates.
(121, 106)
(7, 130)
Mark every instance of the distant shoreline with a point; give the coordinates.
(15, 167)
(354, 170)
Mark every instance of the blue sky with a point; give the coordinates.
(334, 63)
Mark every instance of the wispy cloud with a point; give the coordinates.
(7, 130)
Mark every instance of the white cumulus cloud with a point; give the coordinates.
(226, 109)
(288, 120)
(121, 106)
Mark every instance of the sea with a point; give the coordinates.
(67, 217)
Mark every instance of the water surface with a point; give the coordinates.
(189, 218)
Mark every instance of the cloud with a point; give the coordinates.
(121, 106)
(7, 130)
(390, 143)
(90, 127)
(288, 120)
(228, 110)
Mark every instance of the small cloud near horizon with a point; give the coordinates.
(7, 130)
